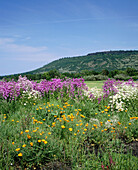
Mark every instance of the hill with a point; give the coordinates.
(110, 60)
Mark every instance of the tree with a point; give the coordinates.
(105, 72)
(130, 71)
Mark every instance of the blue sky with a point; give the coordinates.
(36, 32)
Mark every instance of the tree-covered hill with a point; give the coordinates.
(110, 60)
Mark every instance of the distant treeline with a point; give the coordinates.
(88, 75)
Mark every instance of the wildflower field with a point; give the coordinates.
(63, 124)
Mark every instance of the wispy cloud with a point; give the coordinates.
(76, 20)
(11, 50)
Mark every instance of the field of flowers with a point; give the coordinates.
(63, 124)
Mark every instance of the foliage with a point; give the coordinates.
(95, 77)
(109, 60)
(114, 64)
(74, 131)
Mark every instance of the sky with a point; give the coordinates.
(36, 32)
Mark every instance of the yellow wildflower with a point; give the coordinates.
(45, 142)
(63, 127)
(31, 143)
(28, 136)
(35, 120)
(70, 129)
(20, 154)
(35, 130)
(94, 125)
(82, 116)
(17, 149)
(101, 122)
(86, 124)
(27, 131)
(119, 123)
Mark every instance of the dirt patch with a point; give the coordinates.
(58, 166)
(131, 147)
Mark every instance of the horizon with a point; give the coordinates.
(72, 57)
(33, 34)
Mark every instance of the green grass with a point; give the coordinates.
(72, 148)
(75, 134)
(92, 84)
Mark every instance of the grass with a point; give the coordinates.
(97, 84)
(92, 84)
(67, 134)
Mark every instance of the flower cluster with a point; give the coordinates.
(71, 87)
(9, 90)
(119, 92)
(94, 93)
(123, 98)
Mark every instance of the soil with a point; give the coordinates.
(132, 147)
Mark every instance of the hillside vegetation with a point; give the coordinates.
(110, 60)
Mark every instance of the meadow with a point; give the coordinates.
(95, 84)
(63, 124)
